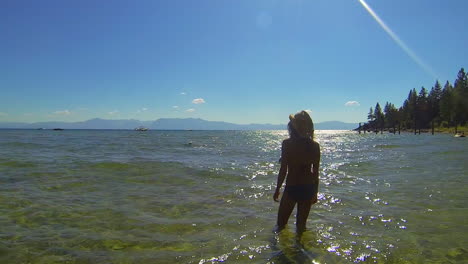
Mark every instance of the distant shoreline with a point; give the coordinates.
(423, 131)
(168, 124)
(129, 129)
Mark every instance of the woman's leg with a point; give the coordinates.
(285, 209)
(303, 209)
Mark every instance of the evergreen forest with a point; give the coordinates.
(441, 107)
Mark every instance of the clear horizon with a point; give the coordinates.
(240, 62)
(53, 121)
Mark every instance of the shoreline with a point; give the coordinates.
(422, 131)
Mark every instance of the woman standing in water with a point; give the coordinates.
(300, 158)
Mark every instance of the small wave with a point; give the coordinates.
(451, 152)
(387, 146)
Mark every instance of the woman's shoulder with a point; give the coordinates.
(315, 147)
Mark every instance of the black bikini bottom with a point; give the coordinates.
(302, 192)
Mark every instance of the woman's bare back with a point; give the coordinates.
(300, 157)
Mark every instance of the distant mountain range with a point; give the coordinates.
(168, 124)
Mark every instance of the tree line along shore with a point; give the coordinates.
(442, 109)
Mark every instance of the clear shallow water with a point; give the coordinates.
(152, 197)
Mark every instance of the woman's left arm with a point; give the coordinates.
(316, 164)
(315, 172)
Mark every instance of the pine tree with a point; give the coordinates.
(422, 113)
(379, 116)
(370, 115)
(387, 114)
(446, 105)
(413, 108)
(433, 102)
(405, 114)
(461, 98)
(390, 113)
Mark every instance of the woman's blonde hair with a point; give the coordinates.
(302, 124)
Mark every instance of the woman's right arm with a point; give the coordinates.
(282, 173)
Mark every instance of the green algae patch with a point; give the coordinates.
(112, 166)
(115, 244)
(182, 247)
(457, 254)
(18, 164)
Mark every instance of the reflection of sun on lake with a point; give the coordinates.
(117, 196)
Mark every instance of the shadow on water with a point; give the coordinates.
(290, 247)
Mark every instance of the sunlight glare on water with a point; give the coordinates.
(126, 197)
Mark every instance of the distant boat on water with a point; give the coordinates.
(141, 128)
(58, 129)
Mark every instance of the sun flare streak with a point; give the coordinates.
(397, 40)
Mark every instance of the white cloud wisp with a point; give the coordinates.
(62, 112)
(198, 101)
(352, 103)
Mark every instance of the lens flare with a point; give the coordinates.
(398, 41)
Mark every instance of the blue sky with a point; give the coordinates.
(243, 61)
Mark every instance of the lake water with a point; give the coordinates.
(85, 196)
